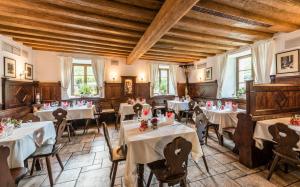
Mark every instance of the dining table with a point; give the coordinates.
(74, 113)
(25, 139)
(261, 131)
(223, 117)
(147, 146)
(127, 109)
(178, 105)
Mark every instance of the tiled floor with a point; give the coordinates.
(87, 163)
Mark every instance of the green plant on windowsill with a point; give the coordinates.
(240, 92)
(85, 90)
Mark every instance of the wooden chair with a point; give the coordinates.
(97, 117)
(48, 150)
(116, 155)
(9, 177)
(207, 124)
(173, 169)
(156, 107)
(59, 115)
(116, 107)
(286, 140)
(200, 129)
(189, 113)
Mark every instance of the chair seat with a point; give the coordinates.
(46, 150)
(229, 130)
(159, 169)
(109, 110)
(118, 154)
(18, 173)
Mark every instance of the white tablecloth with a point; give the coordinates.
(261, 131)
(145, 147)
(178, 106)
(225, 118)
(24, 141)
(127, 109)
(76, 112)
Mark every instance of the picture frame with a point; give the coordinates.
(288, 62)
(28, 71)
(9, 67)
(208, 73)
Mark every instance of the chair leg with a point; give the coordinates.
(161, 184)
(86, 126)
(97, 124)
(150, 179)
(49, 170)
(183, 183)
(186, 118)
(218, 135)
(59, 161)
(206, 134)
(111, 169)
(205, 163)
(69, 133)
(273, 166)
(33, 165)
(112, 183)
(116, 122)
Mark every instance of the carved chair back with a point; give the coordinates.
(59, 114)
(137, 108)
(286, 140)
(107, 139)
(176, 154)
(5, 177)
(192, 105)
(60, 130)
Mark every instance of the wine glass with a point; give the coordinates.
(158, 113)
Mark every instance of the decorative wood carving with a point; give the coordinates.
(17, 93)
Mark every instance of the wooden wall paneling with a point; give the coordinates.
(206, 90)
(49, 91)
(113, 90)
(17, 93)
(181, 89)
(142, 90)
(287, 80)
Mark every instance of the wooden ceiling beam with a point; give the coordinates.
(176, 51)
(48, 9)
(276, 25)
(41, 35)
(164, 59)
(185, 47)
(27, 24)
(32, 16)
(169, 14)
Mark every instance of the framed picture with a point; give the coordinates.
(28, 71)
(287, 62)
(9, 67)
(128, 84)
(208, 73)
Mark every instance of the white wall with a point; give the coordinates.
(48, 68)
(20, 61)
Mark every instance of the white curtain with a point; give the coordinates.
(263, 56)
(98, 65)
(66, 75)
(228, 88)
(173, 79)
(221, 67)
(154, 75)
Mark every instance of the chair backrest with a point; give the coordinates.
(192, 105)
(137, 108)
(176, 154)
(60, 130)
(286, 140)
(198, 110)
(5, 176)
(98, 108)
(107, 139)
(59, 114)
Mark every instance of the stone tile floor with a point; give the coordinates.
(87, 164)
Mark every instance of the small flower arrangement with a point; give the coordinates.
(170, 117)
(16, 123)
(143, 125)
(154, 122)
(295, 120)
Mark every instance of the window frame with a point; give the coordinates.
(84, 76)
(168, 79)
(238, 69)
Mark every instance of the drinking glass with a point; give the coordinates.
(158, 113)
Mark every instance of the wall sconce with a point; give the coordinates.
(22, 74)
(114, 76)
(142, 77)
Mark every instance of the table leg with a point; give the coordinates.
(140, 175)
(38, 166)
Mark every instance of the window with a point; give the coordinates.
(244, 72)
(83, 80)
(163, 86)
